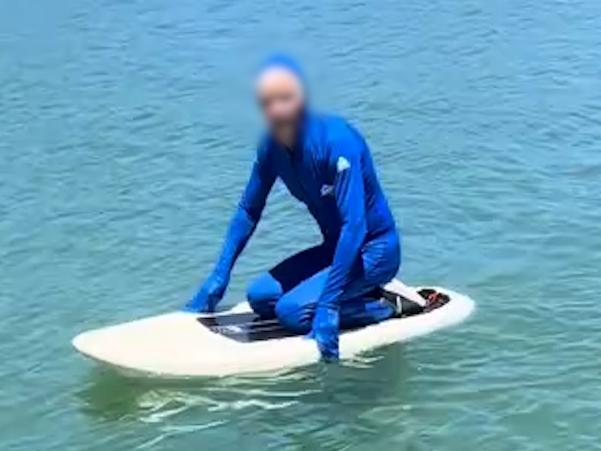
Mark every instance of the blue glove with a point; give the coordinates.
(208, 296)
(326, 324)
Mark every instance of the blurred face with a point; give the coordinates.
(281, 99)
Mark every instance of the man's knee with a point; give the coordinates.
(296, 308)
(263, 293)
(294, 314)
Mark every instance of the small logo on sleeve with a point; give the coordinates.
(326, 190)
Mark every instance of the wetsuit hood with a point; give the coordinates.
(286, 62)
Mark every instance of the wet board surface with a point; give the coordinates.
(182, 344)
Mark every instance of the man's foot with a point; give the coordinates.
(402, 306)
(407, 302)
(434, 299)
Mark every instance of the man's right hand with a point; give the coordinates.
(208, 296)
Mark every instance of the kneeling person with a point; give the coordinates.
(325, 163)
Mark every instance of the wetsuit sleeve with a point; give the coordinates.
(247, 215)
(350, 200)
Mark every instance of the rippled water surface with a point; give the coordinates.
(126, 132)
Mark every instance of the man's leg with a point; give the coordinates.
(265, 291)
(361, 303)
(296, 308)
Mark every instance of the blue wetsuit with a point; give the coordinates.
(328, 286)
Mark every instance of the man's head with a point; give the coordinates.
(280, 90)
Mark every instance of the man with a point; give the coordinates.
(326, 164)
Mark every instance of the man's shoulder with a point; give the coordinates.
(332, 124)
(338, 130)
(340, 137)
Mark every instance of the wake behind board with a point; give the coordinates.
(182, 344)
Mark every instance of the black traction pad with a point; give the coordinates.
(248, 327)
(245, 327)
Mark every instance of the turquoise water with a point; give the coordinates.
(126, 133)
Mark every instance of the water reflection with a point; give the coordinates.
(329, 401)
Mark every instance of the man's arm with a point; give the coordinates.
(241, 227)
(247, 215)
(350, 200)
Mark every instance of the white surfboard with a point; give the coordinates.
(181, 344)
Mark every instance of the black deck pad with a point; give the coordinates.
(248, 327)
(245, 327)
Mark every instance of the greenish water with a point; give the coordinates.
(125, 138)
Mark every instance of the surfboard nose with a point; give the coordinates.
(89, 344)
(79, 342)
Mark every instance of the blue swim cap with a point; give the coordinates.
(284, 61)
